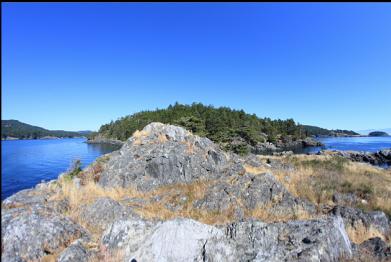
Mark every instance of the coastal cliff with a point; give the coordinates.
(169, 195)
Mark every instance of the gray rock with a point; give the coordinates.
(376, 249)
(348, 199)
(355, 217)
(386, 153)
(176, 240)
(104, 211)
(128, 234)
(188, 240)
(262, 148)
(262, 190)
(165, 154)
(32, 234)
(315, 240)
(24, 198)
(378, 158)
(75, 252)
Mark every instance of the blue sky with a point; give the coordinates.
(77, 66)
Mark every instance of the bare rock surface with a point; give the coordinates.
(374, 249)
(355, 218)
(253, 191)
(188, 240)
(382, 157)
(104, 211)
(32, 234)
(165, 154)
(75, 252)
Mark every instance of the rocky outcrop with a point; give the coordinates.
(165, 154)
(104, 211)
(34, 232)
(382, 157)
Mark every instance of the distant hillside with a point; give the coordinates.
(16, 129)
(85, 132)
(318, 131)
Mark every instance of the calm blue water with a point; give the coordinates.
(26, 163)
(370, 144)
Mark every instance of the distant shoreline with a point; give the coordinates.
(40, 138)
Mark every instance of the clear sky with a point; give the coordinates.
(77, 66)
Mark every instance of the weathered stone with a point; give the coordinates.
(355, 217)
(375, 249)
(314, 240)
(188, 240)
(23, 198)
(377, 158)
(165, 154)
(126, 234)
(104, 211)
(30, 235)
(75, 252)
(175, 240)
(253, 191)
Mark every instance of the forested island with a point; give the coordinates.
(378, 133)
(234, 130)
(14, 129)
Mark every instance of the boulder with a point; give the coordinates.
(356, 218)
(34, 232)
(75, 252)
(104, 211)
(374, 249)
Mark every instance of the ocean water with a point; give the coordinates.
(26, 163)
(368, 144)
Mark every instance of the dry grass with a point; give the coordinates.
(87, 194)
(108, 255)
(49, 258)
(90, 192)
(267, 214)
(317, 178)
(138, 136)
(359, 233)
(256, 170)
(162, 138)
(182, 197)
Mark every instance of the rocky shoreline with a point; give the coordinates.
(288, 145)
(168, 195)
(379, 158)
(103, 140)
